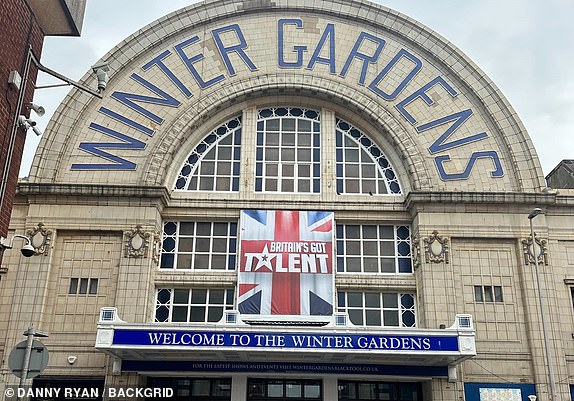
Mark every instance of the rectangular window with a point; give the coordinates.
(283, 389)
(488, 293)
(378, 309)
(373, 249)
(192, 304)
(201, 389)
(199, 245)
(83, 286)
(73, 286)
(287, 154)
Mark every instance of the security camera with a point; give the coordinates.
(101, 71)
(28, 250)
(26, 123)
(72, 359)
(39, 110)
(36, 130)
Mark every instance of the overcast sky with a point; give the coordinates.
(525, 46)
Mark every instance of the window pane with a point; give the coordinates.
(274, 389)
(179, 314)
(372, 300)
(312, 391)
(373, 318)
(73, 289)
(93, 286)
(355, 299)
(287, 141)
(498, 294)
(200, 387)
(180, 296)
(213, 154)
(488, 297)
(478, 293)
(356, 316)
(83, 286)
(293, 390)
(391, 318)
(367, 391)
(214, 314)
(197, 314)
(199, 296)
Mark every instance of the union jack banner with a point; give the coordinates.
(286, 263)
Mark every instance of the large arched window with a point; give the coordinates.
(214, 164)
(362, 168)
(293, 152)
(288, 151)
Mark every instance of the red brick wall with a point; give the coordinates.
(18, 30)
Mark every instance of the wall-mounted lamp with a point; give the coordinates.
(26, 123)
(27, 250)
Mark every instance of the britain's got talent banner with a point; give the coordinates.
(286, 263)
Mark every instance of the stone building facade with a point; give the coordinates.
(337, 143)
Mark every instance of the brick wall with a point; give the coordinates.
(18, 30)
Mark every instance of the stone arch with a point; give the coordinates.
(70, 135)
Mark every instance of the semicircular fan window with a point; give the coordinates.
(214, 163)
(362, 167)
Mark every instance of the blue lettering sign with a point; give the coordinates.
(285, 340)
(418, 65)
(280, 44)
(498, 171)
(367, 49)
(459, 119)
(126, 121)
(158, 61)
(96, 149)
(421, 93)
(190, 61)
(238, 48)
(129, 98)
(355, 53)
(328, 34)
(283, 367)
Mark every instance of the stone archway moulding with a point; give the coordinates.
(450, 126)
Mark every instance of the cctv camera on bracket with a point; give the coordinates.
(27, 250)
(26, 123)
(101, 71)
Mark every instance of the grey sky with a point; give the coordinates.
(525, 46)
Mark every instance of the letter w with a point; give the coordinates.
(164, 100)
(95, 148)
